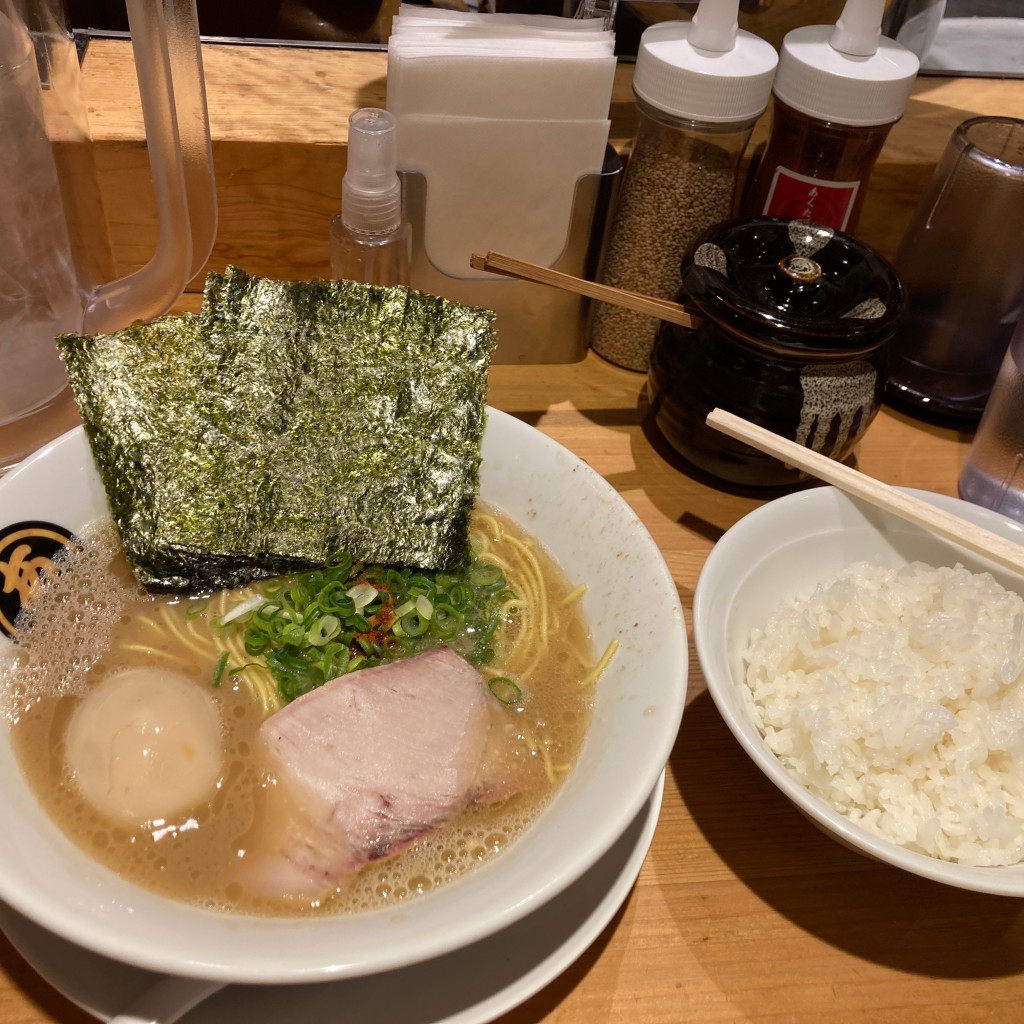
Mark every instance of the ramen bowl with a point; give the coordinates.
(783, 550)
(638, 705)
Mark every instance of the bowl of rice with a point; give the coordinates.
(875, 673)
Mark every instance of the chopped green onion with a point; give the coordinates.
(335, 599)
(196, 609)
(241, 668)
(340, 562)
(505, 690)
(446, 621)
(487, 575)
(293, 634)
(336, 660)
(314, 627)
(218, 672)
(324, 630)
(414, 624)
(420, 582)
(269, 610)
(242, 608)
(362, 594)
(368, 647)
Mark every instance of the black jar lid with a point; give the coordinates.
(791, 285)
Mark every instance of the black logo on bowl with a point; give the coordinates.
(26, 552)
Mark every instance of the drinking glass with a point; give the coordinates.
(962, 264)
(994, 472)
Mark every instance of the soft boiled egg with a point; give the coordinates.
(145, 744)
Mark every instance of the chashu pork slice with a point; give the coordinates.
(369, 762)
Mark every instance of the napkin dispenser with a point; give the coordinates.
(502, 143)
(534, 323)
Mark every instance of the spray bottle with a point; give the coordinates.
(371, 242)
(837, 92)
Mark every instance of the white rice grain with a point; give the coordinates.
(898, 696)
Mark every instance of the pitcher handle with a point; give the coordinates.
(193, 127)
(165, 42)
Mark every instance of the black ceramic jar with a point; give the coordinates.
(797, 318)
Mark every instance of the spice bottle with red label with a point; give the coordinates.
(837, 92)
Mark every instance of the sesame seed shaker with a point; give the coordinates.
(700, 86)
(837, 93)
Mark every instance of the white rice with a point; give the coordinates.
(898, 696)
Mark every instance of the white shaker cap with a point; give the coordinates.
(705, 69)
(847, 73)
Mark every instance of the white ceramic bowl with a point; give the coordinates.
(639, 702)
(783, 549)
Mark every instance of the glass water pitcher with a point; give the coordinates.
(45, 286)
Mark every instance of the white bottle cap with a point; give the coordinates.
(371, 194)
(848, 73)
(705, 69)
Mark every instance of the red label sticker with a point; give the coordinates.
(801, 198)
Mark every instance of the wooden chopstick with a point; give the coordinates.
(1001, 550)
(510, 266)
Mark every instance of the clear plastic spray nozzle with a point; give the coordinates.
(371, 194)
(371, 241)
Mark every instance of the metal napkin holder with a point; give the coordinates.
(534, 323)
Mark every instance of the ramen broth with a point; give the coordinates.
(93, 621)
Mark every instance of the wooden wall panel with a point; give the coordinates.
(278, 119)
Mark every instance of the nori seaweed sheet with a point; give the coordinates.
(285, 422)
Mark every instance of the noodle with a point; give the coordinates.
(595, 673)
(176, 628)
(539, 618)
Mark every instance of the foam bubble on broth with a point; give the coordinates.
(70, 625)
(445, 854)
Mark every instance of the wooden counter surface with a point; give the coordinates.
(744, 912)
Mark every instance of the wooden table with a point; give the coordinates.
(744, 911)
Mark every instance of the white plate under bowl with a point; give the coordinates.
(784, 549)
(598, 540)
